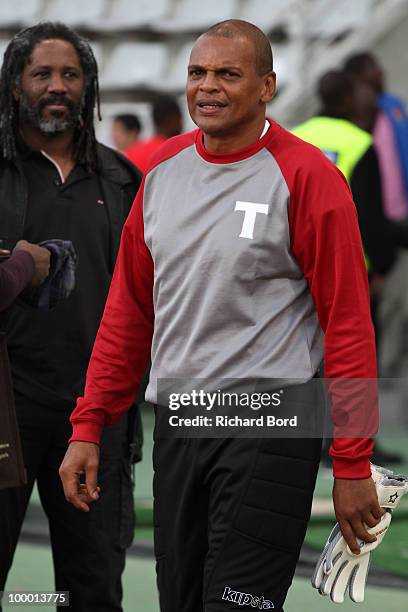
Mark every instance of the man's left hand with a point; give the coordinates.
(356, 507)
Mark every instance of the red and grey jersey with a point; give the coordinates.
(241, 265)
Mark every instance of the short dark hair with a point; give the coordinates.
(357, 63)
(237, 28)
(16, 57)
(163, 108)
(131, 122)
(333, 86)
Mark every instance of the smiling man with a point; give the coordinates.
(56, 181)
(241, 259)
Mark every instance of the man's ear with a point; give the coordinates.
(269, 87)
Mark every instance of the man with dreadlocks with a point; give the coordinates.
(56, 181)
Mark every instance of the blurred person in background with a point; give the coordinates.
(342, 130)
(57, 181)
(126, 130)
(209, 283)
(390, 133)
(168, 122)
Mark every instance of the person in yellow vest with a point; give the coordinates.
(342, 131)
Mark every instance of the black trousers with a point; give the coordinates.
(230, 519)
(88, 548)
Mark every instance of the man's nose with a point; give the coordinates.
(209, 83)
(57, 84)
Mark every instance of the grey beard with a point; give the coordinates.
(53, 125)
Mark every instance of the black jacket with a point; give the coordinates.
(119, 180)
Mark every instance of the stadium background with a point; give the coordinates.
(142, 47)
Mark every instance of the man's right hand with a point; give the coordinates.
(357, 508)
(41, 258)
(81, 458)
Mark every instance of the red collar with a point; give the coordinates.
(233, 156)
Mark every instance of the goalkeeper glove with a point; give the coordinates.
(338, 568)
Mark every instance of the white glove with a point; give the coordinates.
(338, 568)
(378, 473)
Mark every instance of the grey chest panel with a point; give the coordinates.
(232, 216)
(229, 296)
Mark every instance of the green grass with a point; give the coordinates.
(32, 569)
(144, 534)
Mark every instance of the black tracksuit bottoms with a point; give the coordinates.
(230, 517)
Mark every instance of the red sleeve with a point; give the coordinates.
(326, 242)
(122, 348)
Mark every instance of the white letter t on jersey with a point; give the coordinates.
(250, 209)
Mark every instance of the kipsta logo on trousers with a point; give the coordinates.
(246, 599)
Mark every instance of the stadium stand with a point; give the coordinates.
(99, 52)
(328, 19)
(284, 64)
(323, 41)
(77, 12)
(14, 13)
(268, 15)
(176, 77)
(192, 16)
(135, 64)
(137, 14)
